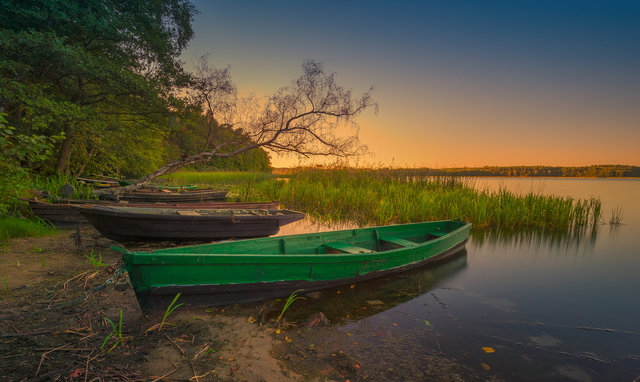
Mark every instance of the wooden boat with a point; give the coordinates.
(156, 224)
(165, 196)
(62, 213)
(184, 187)
(252, 270)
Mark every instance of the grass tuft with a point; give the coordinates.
(95, 261)
(116, 332)
(290, 300)
(167, 312)
(12, 227)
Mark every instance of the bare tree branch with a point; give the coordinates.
(304, 118)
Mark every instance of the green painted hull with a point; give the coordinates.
(256, 269)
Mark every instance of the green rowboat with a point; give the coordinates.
(257, 269)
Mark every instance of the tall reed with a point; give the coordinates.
(379, 197)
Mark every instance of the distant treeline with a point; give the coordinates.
(596, 171)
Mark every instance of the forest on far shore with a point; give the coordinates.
(595, 171)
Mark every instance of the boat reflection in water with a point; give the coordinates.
(361, 300)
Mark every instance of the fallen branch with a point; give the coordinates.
(174, 342)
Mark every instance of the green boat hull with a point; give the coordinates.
(257, 269)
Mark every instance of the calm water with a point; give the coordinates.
(551, 306)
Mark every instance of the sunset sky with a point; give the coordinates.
(459, 83)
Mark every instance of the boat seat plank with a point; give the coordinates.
(188, 213)
(347, 248)
(398, 241)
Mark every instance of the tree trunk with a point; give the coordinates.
(171, 167)
(65, 154)
(82, 167)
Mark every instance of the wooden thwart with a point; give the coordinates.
(398, 241)
(347, 248)
(188, 212)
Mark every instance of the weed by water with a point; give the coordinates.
(616, 216)
(95, 261)
(292, 297)
(116, 330)
(167, 312)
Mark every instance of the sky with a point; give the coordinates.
(458, 82)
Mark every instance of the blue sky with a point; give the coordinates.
(459, 83)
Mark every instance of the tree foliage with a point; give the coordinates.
(93, 70)
(102, 82)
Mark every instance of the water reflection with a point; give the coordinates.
(577, 239)
(371, 297)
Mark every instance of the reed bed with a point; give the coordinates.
(379, 197)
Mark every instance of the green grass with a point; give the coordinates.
(20, 183)
(290, 300)
(116, 332)
(380, 197)
(12, 227)
(166, 315)
(95, 261)
(53, 183)
(241, 185)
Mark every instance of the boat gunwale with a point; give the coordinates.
(120, 211)
(176, 258)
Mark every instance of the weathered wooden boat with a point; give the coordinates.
(157, 224)
(166, 196)
(252, 270)
(183, 187)
(61, 212)
(100, 183)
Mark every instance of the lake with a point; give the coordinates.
(531, 305)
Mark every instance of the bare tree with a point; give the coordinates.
(304, 118)
(214, 91)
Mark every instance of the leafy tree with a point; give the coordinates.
(22, 151)
(93, 70)
(105, 75)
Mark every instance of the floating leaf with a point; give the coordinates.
(485, 366)
(488, 349)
